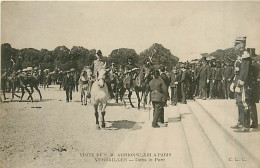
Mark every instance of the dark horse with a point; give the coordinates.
(14, 84)
(140, 83)
(31, 81)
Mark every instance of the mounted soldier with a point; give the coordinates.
(129, 73)
(96, 65)
(99, 62)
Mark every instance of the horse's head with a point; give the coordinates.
(87, 73)
(102, 75)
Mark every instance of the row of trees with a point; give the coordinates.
(77, 57)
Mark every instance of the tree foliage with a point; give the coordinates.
(7, 53)
(30, 57)
(121, 55)
(77, 57)
(159, 56)
(229, 53)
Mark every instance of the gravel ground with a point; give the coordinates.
(53, 133)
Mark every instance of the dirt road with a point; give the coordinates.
(56, 134)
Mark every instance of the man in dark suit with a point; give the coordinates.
(174, 80)
(254, 94)
(68, 84)
(212, 80)
(219, 81)
(184, 83)
(203, 79)
(196, 80)
(228, 75)
(166, 80)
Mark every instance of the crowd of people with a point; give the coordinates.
(213, 79)
(198, 79)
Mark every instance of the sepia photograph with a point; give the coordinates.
(130, 84)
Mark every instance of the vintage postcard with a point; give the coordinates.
(157, 84)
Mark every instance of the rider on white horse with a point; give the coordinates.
(96, 65)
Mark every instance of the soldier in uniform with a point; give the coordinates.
(232, 88)
(244, 90)
(158, 97)
(99, 62)
(129, 71)
(68, 83)
(174, 80)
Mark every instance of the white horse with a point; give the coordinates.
(99, 97)
(85, 81)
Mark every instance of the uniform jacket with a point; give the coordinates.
(96, 65)
(246, 70)
(158, 85)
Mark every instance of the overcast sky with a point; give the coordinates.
(186, 28)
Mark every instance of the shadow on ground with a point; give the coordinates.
(174, 119)
(256, 129)
(26, 101)
(124, 124)
(115, 104)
